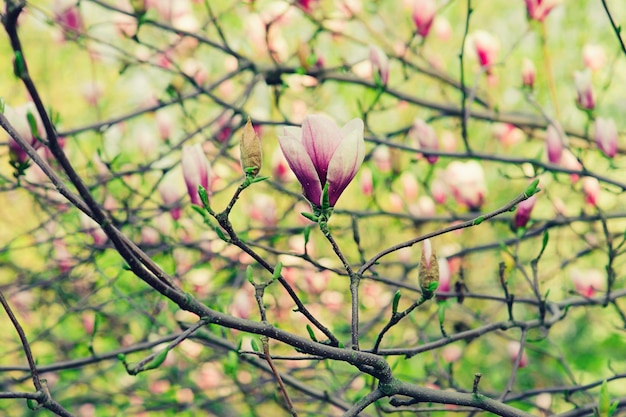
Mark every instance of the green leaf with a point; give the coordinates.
(604, 401)
(250, 274)
(325, 198)
(310, 216)
(277, 271)
(255, 345)
(2, 105)
(544, 243)
(19, 65)
(478, 220)
(32, 405)
(307, 234)
(309, 329)
(532, 189)
(157, 361)
(204, 197)
(396, 301)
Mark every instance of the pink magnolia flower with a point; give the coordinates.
(487, 47)
(67, 15)
(594, 56)
(465, 181)
(606, 136)
(591, 189)
(587, 281)
(539, 9)
(380, 63)
(507, 134)
(554, 144)
(445, 278)
(321, 153)
(367, 182)
(196, 171)
(584, 90)
(426, 138)
(514, 350)
(522, 215)
(528, 73)
(423, 16)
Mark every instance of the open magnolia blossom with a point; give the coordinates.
(320, 153)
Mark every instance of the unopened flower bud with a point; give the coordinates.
(380, 64)
(606, 136)
(251, 156)
(522, 215)
(584, 89)
(428, 271)
(554, 144)
(528, 73)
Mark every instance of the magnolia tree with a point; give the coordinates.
(250, 208)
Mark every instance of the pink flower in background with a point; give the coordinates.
(445, 278)
(594, 56)
(584, 89)
(423, 16)
(569, 161)
(67, 15)
(514, 350)
(588, 281)
(487, 47)
(426, 138)
(528, 73)
(196, 171)
(507, 134)
(367, 182)
(606, 136)
(539, 9)
(591, 189)
(171, 194)
(321, 153)
(451, 353)
(380, 63)
(522, 215)
(554, 143)
(465, 181)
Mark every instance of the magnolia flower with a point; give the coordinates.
(591, 189)
(426, 138)
(528, 73)
(514, 350)
(594, 56)
(380, 64)
(554, 144)
(588, 281)
(522, 215)
(423, 16)
(196, 171)
(465, 181)
(487, 47)
(539, 9)
(606, 136)
(584, 89)
(322, 154)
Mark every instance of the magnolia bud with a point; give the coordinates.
(250, 146)
(429, 271)
(528, 73)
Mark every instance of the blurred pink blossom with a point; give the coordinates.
(487, 47)
(584, 90)
(588, 281)
(555, 143)
(196, 171)
(451, 353)
(515, 349)
(507, 134)
(18, 117)
(380, 64)
(367, 183)
(67, 15)
(591, 189)
(528, 73)
(423, 15)
(522, 214)
(594, 56)
(606, 136)
(465, 181)
(539, 9)
(426, 138)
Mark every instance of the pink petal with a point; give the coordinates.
(345, 163)
(320, 137)
(302, 166)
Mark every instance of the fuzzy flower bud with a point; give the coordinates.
(251, 155)
(423, 16)
(554, 144)
(426, 138)
(196, 171)
(429, 271)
